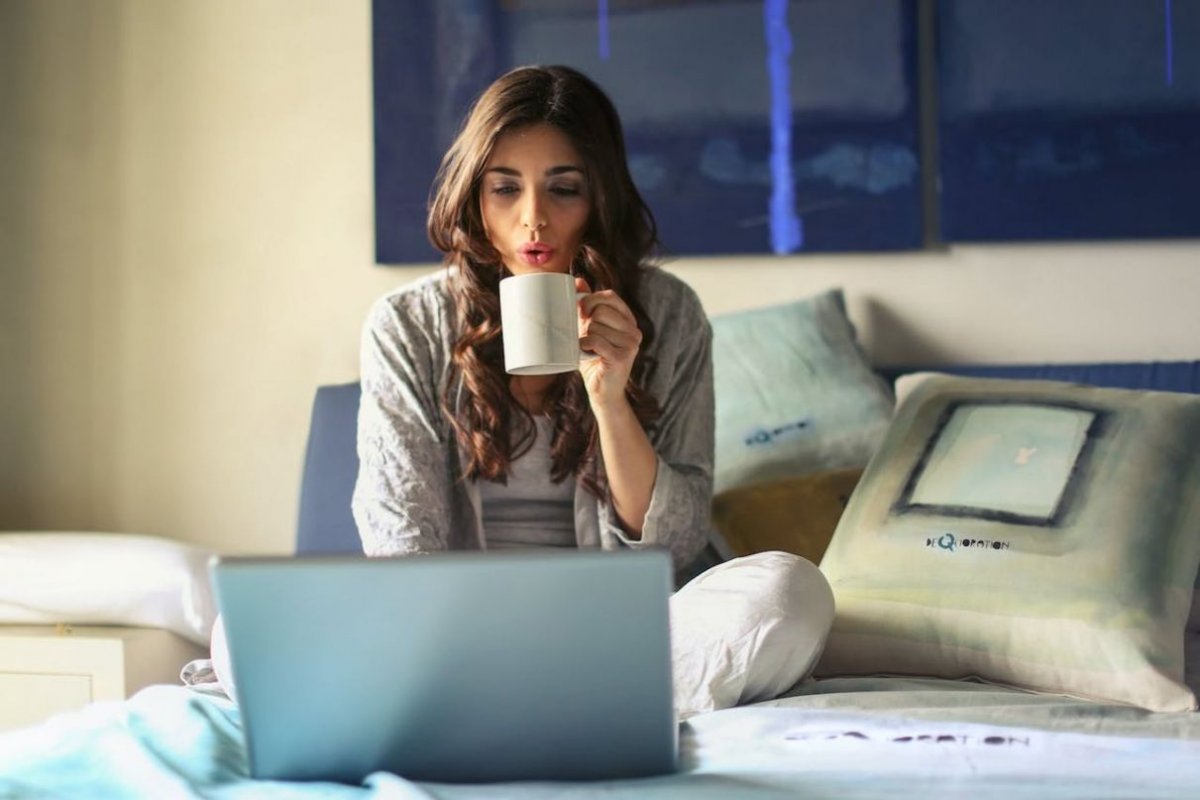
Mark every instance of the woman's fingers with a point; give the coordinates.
(607, 326)
(608, 303)
(608, 353)
(612, 343)
(608, 330)
(611, 319)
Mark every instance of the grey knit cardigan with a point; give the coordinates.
(410, 496)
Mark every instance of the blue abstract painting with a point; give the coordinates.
(752, 126)
(1068, 119)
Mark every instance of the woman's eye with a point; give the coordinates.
(565, 191)
(504, 190)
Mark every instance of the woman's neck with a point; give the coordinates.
(530, 391)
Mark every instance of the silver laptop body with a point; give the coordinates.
(456, 667)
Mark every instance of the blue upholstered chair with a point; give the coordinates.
(330, 469)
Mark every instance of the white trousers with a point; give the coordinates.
(746, 630)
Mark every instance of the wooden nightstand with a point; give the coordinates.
(48, 669)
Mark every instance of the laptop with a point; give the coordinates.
(454, 667)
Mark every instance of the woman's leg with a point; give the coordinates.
(747, 630)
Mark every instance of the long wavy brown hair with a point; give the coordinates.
(619, 240)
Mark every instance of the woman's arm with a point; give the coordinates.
(680, 513)
(403, 496)
(631, 464)
(661, 489)
(610, 332)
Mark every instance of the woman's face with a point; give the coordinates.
(534, 200)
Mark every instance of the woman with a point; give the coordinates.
(455, 454)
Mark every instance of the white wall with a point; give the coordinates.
(1117, 301)
(186, 253)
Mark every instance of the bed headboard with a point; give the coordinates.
(331, 461)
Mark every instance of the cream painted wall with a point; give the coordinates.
(186, 253)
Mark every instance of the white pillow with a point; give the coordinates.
(105, 579)
(747, 630)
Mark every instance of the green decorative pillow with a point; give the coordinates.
(1037, 534)
(794, 393)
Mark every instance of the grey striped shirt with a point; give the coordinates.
(529, 510)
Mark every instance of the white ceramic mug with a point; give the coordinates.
(540, 323)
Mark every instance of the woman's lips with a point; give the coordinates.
(535, 254)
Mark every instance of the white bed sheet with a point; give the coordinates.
(847, 739)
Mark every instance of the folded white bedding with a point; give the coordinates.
(105, 579)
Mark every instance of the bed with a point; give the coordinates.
(941, 726)
(845, 738)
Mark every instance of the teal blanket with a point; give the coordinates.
(844, 738)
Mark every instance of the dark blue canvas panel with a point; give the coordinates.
(752, 127)
(1068, 119)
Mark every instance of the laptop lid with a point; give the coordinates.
(454, 667)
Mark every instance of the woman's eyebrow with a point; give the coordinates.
(559, 170)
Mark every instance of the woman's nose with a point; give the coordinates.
(531, 214)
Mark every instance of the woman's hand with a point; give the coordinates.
(608, 330)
